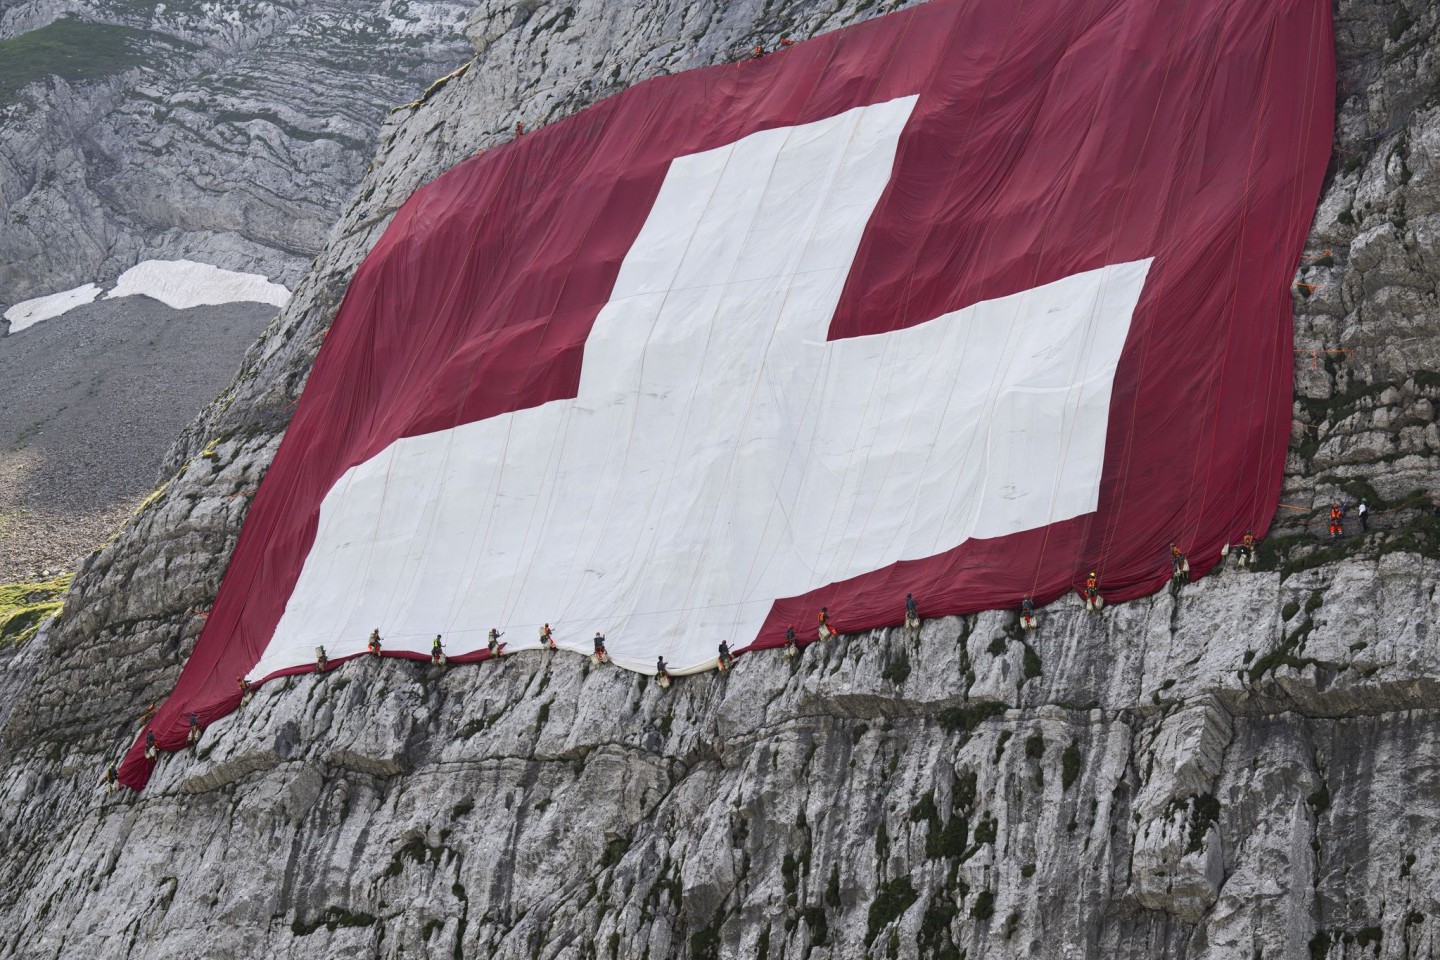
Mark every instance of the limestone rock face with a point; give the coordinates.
(1245, 768)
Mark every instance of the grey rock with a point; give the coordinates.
(226, 133)
(89, 402)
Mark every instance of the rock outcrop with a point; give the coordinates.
(226, 133)
(1244, 768)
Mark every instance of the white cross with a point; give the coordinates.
(720, 453)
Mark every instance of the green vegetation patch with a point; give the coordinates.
(967, 718)
(1204, 813)
(935, 929)
(891, 900)
(24, 606)
(615, 851)
(705, 944)
(897, 671)
(332, 919)
(1031, 662)
(1401, 22)
(942, 841)
(73, 50)
(1069, 766)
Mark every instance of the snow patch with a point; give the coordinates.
(182, 284)
(27, 313)
(179, 284)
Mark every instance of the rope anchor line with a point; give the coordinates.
(1315, 353)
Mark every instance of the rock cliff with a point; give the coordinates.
(1244, 768)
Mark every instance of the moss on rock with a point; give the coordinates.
(24, 606)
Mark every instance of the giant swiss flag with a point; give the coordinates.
(965, 301)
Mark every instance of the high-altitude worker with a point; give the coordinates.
(1181, 566)
(1093, 600)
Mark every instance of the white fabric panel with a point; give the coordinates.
(721, 453)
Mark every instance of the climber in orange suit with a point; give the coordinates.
(1093, 600)
(1247, 549)
(826, 630)
(1181, 565)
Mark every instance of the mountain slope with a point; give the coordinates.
(230, 134)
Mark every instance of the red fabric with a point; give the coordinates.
(1051, 137)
